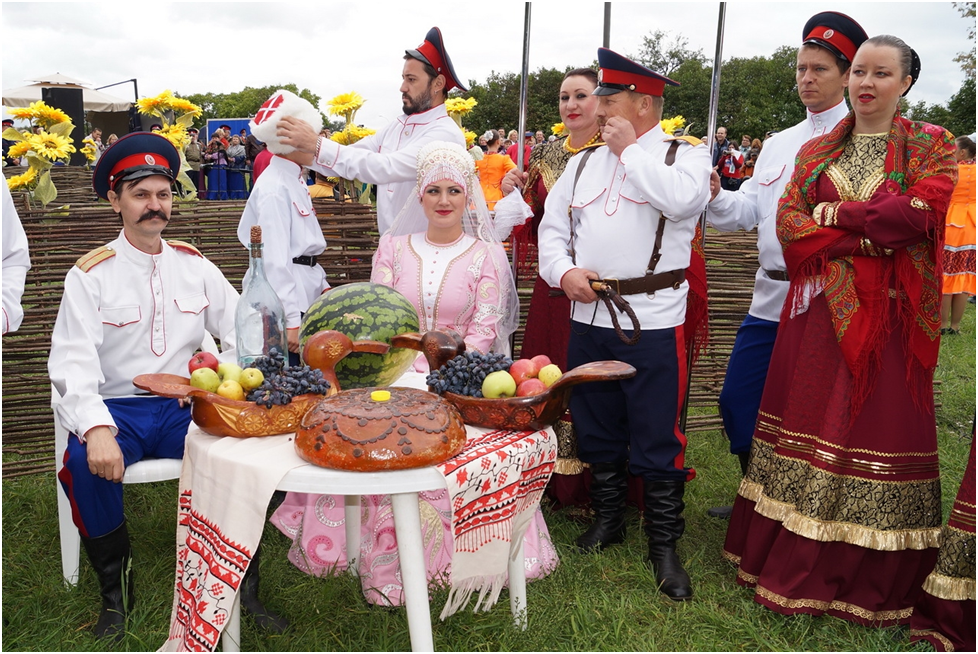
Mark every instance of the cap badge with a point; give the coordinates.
(268, 109)
(600, 74)
(829, 33)
(150, 160)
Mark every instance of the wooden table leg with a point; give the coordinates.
(517, 588)
(351, 514)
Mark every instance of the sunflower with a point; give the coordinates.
(51, 146)
(345, 104)
(460, 106)
(670, 125)
(469, 138)
(23, 112)
(19, 149)
(156, 105)
(175, 134)
(183, 106)
(558, 129)
(48, 116)
(19, 181)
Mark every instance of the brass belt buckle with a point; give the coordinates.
(616, 286)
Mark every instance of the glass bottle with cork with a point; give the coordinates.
(259, 319)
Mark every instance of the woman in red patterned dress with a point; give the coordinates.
(840, 511)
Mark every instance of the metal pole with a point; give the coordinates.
(524, 89)
(710, 141)
(607, 25)
(133, 80)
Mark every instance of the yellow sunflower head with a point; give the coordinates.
(670, 125)
(558, 129)
(469, 138)
(22, 112)
(20, 181)
(183, 106)
(19, 149)
(460, 106)
(51, 146)
(345, 104)
(48, 116)
(175, 134)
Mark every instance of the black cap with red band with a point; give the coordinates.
(134, 156)
(432, 52)
(619, 74)
(835, 32)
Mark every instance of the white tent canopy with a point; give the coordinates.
(93, 100)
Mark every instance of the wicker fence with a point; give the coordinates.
(58, 236)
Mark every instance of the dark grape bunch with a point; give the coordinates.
(271, 364)
(463, 375)
(282, 384)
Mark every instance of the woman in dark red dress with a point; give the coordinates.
(945, 612)
(840, 511)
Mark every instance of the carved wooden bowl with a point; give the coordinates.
(221, 416)
(357, 430)
(514, 413)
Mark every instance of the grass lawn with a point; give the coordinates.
(595, 602)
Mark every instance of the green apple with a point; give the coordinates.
(549, 374)
(498, 384)
(231, 390)
(205, 379)
(251, 378)
(229, 371)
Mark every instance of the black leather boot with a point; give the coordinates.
(664, 525)
(111, 556)
(609, 488)
(250, 604)
(725, 512)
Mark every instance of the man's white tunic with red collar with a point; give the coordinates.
(124, 313)
(388, 158)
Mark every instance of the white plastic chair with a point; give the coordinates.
(141, 472)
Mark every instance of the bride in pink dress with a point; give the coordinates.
(444, 256)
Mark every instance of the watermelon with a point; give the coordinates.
(364, 312)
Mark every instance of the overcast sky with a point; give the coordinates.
(335, 47)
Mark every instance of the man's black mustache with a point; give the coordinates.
(153, 213)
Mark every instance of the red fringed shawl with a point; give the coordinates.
(859, 275)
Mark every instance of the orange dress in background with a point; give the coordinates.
(492, 168)
(959, 234)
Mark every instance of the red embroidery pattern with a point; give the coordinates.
(209, 571)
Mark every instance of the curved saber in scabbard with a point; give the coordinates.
(710, 142)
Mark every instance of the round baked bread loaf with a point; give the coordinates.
(369, 429)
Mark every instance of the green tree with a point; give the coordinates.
(665, 57)
(961, 108)
(967, 59)
(244, 103)
(499, 100)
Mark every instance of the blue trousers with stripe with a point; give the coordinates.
(149, 427)
(740, 398)
(633, 419)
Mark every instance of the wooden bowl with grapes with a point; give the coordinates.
(525, 413)
(221, 416)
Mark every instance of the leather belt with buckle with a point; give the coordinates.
(648, 284)
(779, 275)
(305, 261)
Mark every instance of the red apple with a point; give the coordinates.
(541, 360)
(531, 386)
(203, 360)
(523, 369)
